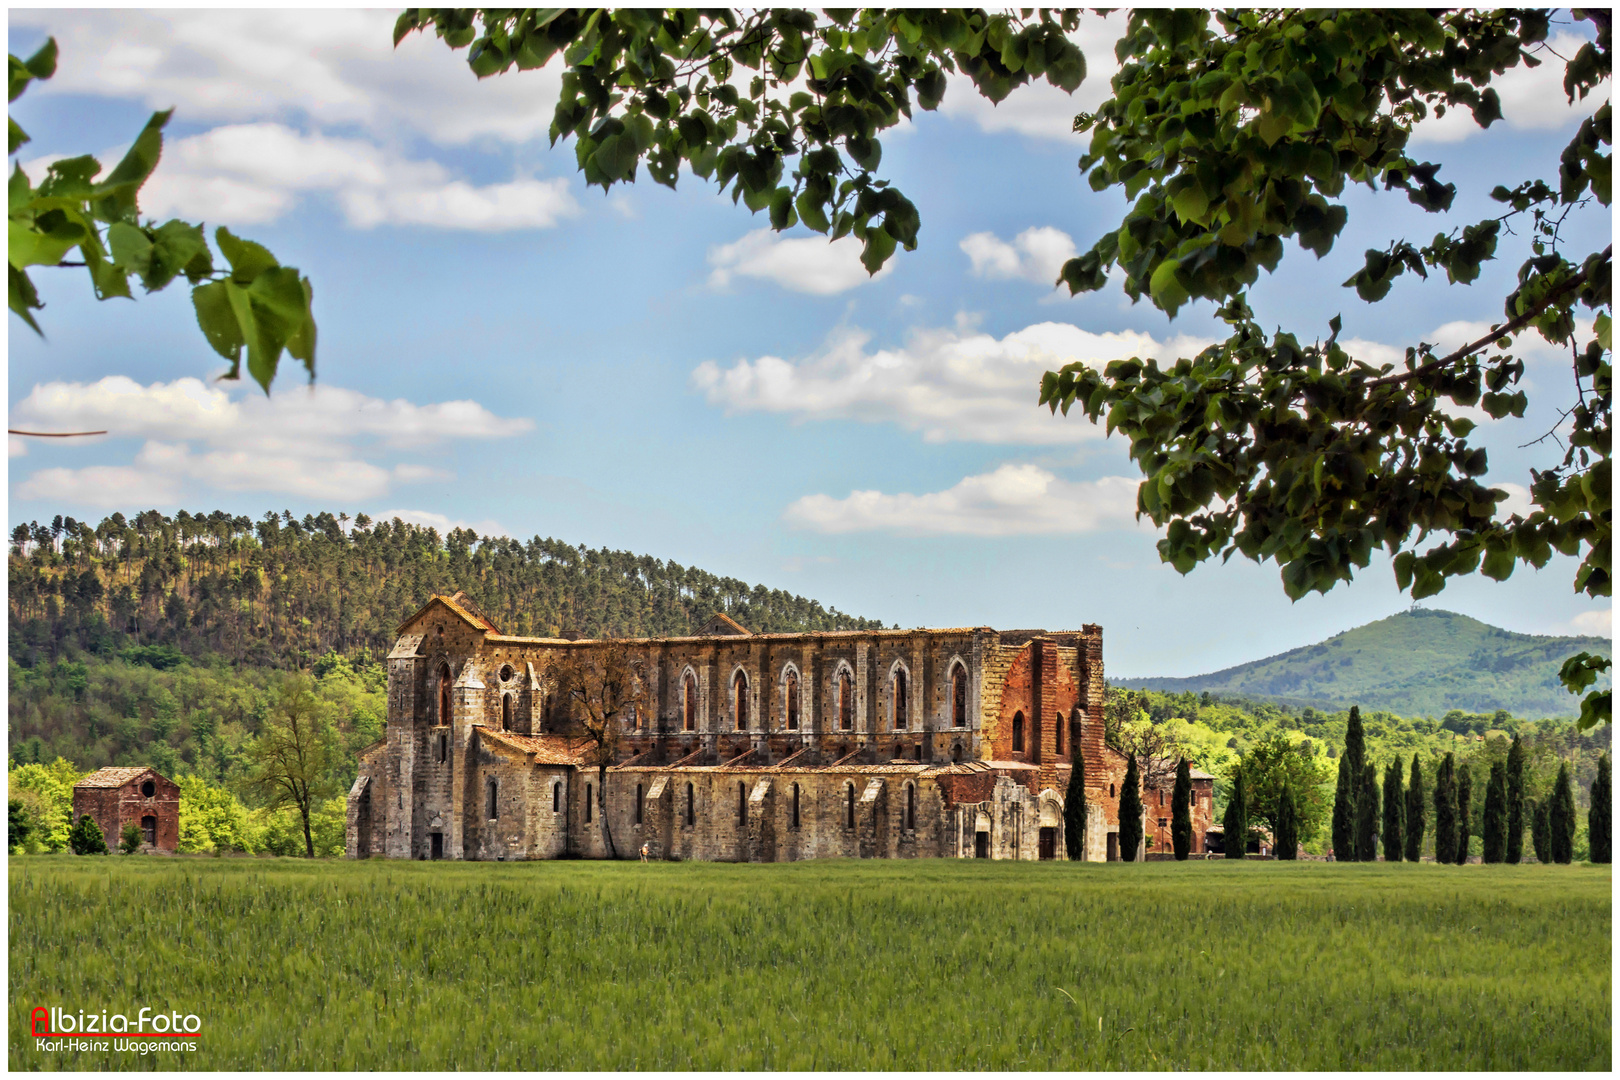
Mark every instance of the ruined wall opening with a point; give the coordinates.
(846, 702)
(506, 712)
(849, 813)
(444, 748)
(742, 802)
(444, 695)
(556, 798)
(795, 806)
(688, 703)
(691, 806)
(956, 753)
(958, 696)
(792, 701)
(1018, 733)
(638, 804)
(491, 803)
(148, 789)
(898, 692)
(911, 807)
(589, 803)
(739, 691)
(149, 828)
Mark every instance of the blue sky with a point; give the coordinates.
(650, 370)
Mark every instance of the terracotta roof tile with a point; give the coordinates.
(547, 749)
(113, 776)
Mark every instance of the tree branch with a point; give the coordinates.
(1508, 328)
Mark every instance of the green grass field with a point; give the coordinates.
(935, 964)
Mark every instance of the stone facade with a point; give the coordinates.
(139, 796)
(760, 747)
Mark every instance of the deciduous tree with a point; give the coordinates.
(1181, 828)
(1274, 762)
(607, 689)
(291, 760)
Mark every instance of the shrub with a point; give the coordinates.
(19, 825)
(1287, 824)
(129, 842)
(85, 838)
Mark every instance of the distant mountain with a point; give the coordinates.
(1419, 662)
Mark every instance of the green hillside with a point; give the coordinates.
(1419, 662)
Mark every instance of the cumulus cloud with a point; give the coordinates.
(803, 264)
(1014, 500)
(331, 67)
(1593, 623)
(15, 447)
(443, 523)
(1533, 99)
(315, 443)
(1036, 254)
(951, 384)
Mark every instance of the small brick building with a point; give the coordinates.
(140, 795)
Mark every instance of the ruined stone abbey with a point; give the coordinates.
(761, 748)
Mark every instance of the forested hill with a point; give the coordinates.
(282, 592)
(1419, 662)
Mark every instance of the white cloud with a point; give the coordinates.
(315, 442)
(15, 447)
(330, 67)
(246, 174)
(1517, 501)
(1014, 500)
(1036, 254)
(1533, 99)
(950, 384)
(442, 523)
(1593, 623)
(807, 265)
(1038, 109)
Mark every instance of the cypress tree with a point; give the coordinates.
(1445, 811)
(1074, 809)
(1367, 815)
(1237, 819)
(1493, 827)
(1394, 812)
(1416, 813)
(1515, 801)
(1561, 818)
(1598, 817)
(1287, 823)
(1541, 830)
(1355, 742)
(1465, 800)
(1181, 812)
(1344, 814)
(1130, 813)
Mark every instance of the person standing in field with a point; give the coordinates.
(643, 852)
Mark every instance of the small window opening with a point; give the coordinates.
(689, 704)
(739, 691)
(492, 807)
(1018, 733)
(589, 803)
(638, 804)
(956, 752)
(911, 806)
(899, 751)
(792, 701)
(556, 798)
(742, 802)
(506, 712)
(148, 789)
(1110, 791)
(506, 673)
(849, 815)
(846, 702)
(691, 806)
(795, 806)
(918, 749)
(444, 695)
(900, 700)
(149, 829)
(1058, 735)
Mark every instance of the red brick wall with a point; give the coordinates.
(113, 808)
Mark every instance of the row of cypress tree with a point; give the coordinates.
(1358, 807)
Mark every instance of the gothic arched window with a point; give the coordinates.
(444, 694)
(899, 694)
(958, 696)
(846, 702)
(689, 703)
(739, 690)
(792, 701)
(1018, 733)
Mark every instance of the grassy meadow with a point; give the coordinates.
(936, 964)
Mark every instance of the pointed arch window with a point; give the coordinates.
(491, 790)
(1018, 733)
(846, 702)
(958, 696)
(742, 802)
(911, 806)
(795, 806)
(691, 806)
(792, 692)
(556, 798)
(898, 692)
(506, 712)
(688, 703)
(849, 806)
(739, 691)
(444, 694)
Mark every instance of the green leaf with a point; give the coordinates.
(131, 248)
(115, 197)
(20, 295)
(248, 260)
(879, 246)
(1166, 287)
(216, 317)
(28, 246)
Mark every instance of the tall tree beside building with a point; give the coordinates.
(1181, 829)
(1493, 825)
(1130, 812)
(1445, 811)
(1465, 806)
(1074, 808)
(1344, 812)
(1236, 839)
(1600, 816)
(1367, 815)
(1287, 823)
(1417, 813)
(1515, 802)
(606, 690)
(1394, 812)
(1561, 818)
(1541, 829)
(293, 756)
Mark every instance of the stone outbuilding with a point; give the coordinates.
(123, 795)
